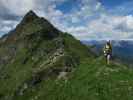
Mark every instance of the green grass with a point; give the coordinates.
(24, 68)
(91, 80)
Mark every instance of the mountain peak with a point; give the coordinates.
(31, 15)
(32, 23)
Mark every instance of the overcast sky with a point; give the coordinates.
(85, 19)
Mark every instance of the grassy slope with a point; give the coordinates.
(91, 80)
(28, 61)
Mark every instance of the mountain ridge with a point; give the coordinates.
(34, 52)
(30, 24)
(37, 62)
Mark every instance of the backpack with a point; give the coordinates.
(107, 49)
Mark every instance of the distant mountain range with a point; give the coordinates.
(122, 49)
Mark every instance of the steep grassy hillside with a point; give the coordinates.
(35, 51)
(39, 62)
(91, 80)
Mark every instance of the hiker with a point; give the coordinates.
(108, 51)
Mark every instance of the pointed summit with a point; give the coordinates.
(30, 16)
(32, 23)
(31, 13)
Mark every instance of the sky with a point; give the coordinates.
(84, 19)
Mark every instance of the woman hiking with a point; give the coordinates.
(108, 51)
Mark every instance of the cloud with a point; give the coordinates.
(12, 11)
(88, 20)
(110, 27)
(17, 7)
(7, 25)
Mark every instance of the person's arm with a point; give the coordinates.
(104, 49)
(111, 48)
